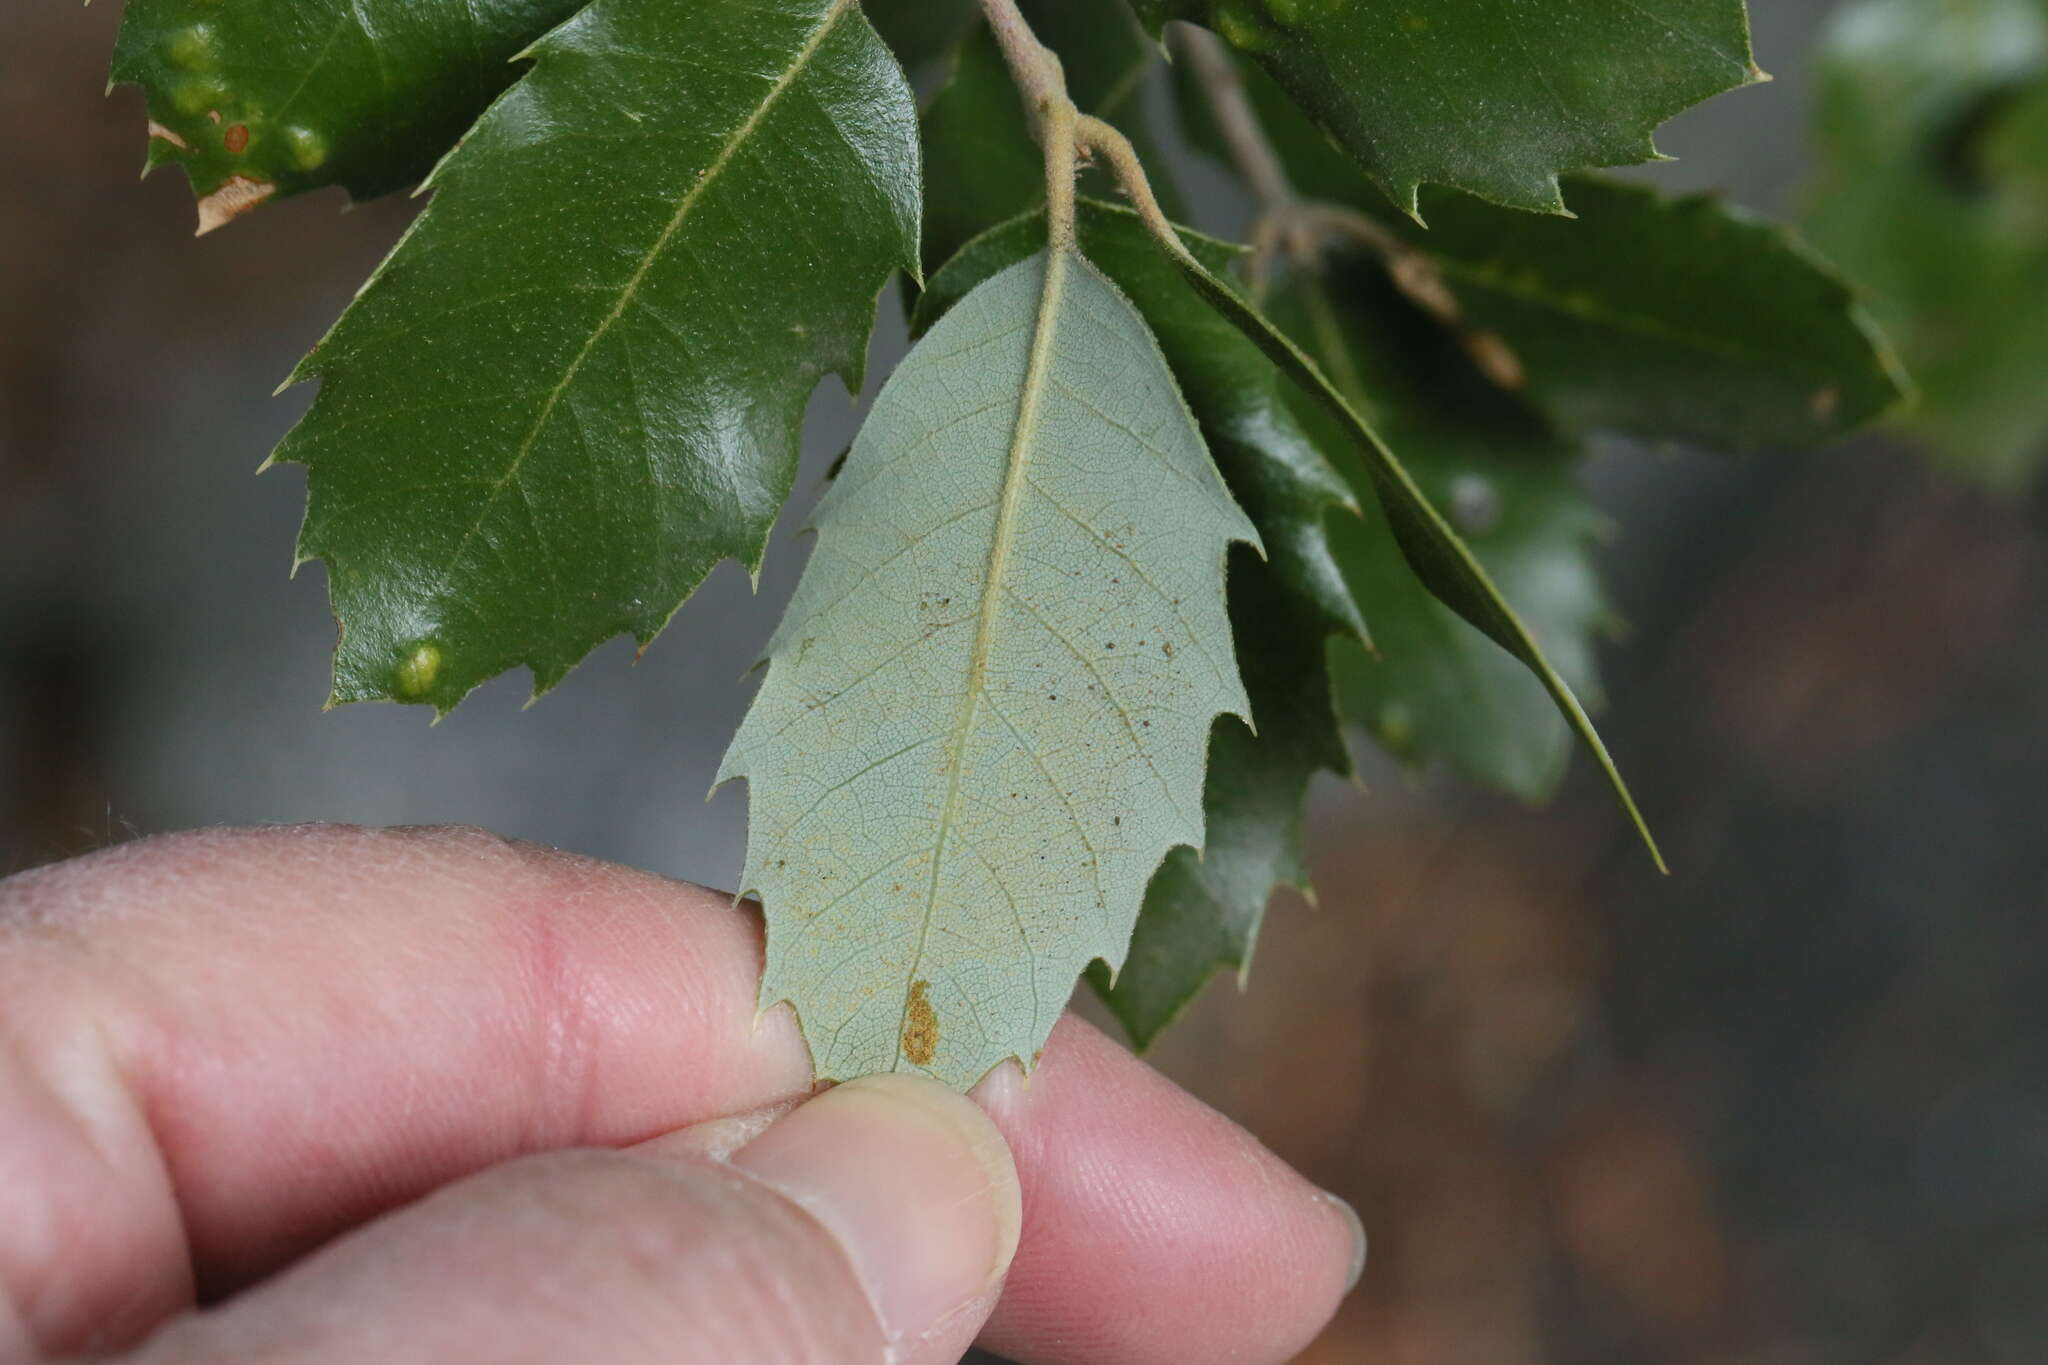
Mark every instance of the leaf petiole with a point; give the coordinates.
(1054, 117)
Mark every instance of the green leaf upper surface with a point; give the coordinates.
(978, 148)
(577, 383)
(1665, 318)
(1202, 912)
(1435, 687)
(1933, 126)
(262, 98)
(986, 713)
(1496, 97)
(1432, 548)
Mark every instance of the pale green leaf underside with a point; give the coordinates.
(987, 711)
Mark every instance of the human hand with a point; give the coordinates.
(427, 1095)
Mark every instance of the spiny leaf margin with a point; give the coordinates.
(1495, 97)
(503, 475)
(1051, 569)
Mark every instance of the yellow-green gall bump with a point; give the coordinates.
(193, 48)
(417, 671)
(1396, 726)
(198, 95)
(306, 148)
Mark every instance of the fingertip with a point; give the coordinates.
(1354, 1230)
(1155, 1229)
(915, 1182)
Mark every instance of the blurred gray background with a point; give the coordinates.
(1787, 1107)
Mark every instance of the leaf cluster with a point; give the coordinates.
(1146, 516)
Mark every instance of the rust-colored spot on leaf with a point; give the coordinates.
(236, 139)
(231, 201)
(920, 1026)
(1822, 404)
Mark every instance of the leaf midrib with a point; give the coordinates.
(1037, 371)
(733, 142)
(1600, 314)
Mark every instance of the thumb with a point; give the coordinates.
(872, 1223)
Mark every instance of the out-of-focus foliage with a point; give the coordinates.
(1669, 318)
(1933, 118)
(1431, 686)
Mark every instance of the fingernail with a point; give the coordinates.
(913, 1180)
(1357, 1241)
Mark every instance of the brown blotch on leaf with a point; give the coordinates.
(236, 139)
(163, 134)
(1822, 404)
(920, 1026)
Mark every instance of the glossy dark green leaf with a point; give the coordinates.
(980, 159)
(1666, 318)
(1933, 125)
(1497, 97)
(1435, 688)
(577, 383)
(1432, 548)
(262, 98)
(1202, 912)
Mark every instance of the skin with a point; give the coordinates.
(429, 1094)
